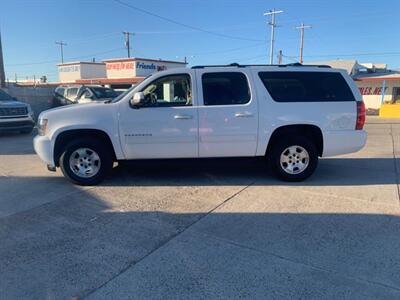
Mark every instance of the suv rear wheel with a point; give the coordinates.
(85, 161)
(293, 158)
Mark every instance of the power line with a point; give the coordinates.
(272, 13)
(72, 58)
(183, 24)
(302, 27)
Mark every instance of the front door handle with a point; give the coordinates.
(244, 115)
(183, 117)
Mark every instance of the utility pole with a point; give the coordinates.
(127, 34)
(280, 57)
(62, 44)
(302, 27)
(2, 73)
(272, 13)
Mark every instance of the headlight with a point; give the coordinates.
(30, 111)
(42, 126)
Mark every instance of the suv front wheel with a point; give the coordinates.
(85, 161)
(293, 158)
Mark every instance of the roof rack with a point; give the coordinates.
(261, 65)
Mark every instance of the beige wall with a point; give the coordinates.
(70, 73)
(120, 69)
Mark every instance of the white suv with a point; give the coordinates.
(289, 114)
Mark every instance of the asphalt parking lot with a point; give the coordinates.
(217, 229)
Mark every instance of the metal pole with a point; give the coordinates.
(271, 49)
(2, 73)
(280, 57)
(383, 91)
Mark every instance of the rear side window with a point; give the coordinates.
(306, 86)
(225, 88)
(72, 92)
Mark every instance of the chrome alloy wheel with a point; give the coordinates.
(294, 159)
(84, 162)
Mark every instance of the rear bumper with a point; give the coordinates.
(343, 142)
(44, 149)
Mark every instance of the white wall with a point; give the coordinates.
(145, 68)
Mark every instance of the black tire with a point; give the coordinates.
(106, 161)
(274, 158)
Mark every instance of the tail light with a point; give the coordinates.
(360, 115)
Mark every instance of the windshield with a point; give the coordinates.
(104, 93)
(128, 91)
(120, 96)
(4, 96)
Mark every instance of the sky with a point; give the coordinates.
(205, 31)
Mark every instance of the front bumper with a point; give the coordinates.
(44, 149)
(9, 124)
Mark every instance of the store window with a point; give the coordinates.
(396, 95)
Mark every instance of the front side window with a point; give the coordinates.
(173, 90)
(225, 88)
(306, 86)
(60, 91)
(104, 93)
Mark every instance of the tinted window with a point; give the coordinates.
(4, 96)
(103, 93)
(60, 91)
(225, 88)
(306, 86)
(174, 90)
(72, 92)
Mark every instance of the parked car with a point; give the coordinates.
(15, 115)
(75, 94)
(289, 114)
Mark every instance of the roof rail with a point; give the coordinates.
(261, 65)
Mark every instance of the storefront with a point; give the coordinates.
(377, 90)
(138, 67)
(117, 73)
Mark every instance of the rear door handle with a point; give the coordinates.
(244, 115)
(183, 117)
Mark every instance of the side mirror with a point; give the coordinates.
(137, 99)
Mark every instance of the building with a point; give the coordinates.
(117, 73)
(377, 83)
(72, 71)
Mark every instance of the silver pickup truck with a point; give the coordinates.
(15, 115)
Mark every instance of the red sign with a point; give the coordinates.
(120, 66)
(371, 90)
